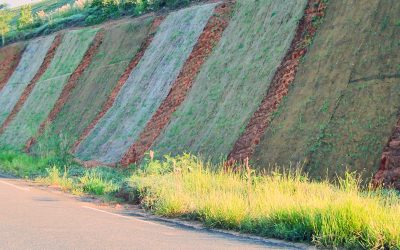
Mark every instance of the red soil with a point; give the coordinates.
(210, 36)
(11, 57)
(388, 174)
(66, 92)
(284, 77)
(124, 77)
(45, 64)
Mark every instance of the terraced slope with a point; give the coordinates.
(234, 79)
(119, 46)
(9, 59)
(147, 86)
(27, 68)
(345, 99)
(48, 88)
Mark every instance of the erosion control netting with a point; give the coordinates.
(234, 79)
(208, 39)
(47, 90)
(30, 62)
(9, 59)
(120, 44)
(147, 86)
(342, 107)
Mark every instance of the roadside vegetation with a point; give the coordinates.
(49, 16)
(286, 205)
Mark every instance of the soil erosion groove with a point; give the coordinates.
(9, 65)
(28, 90)
(284, 77)
(210, 37)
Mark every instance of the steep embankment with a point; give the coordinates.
(48, 89)
(28, 66)
(233, 81)
(147, 86)
(9, 59)
(119, 46)
(344, 101)
(209, 38)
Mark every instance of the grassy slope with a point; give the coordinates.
(234, 80)
(47, 90)
(286, 206)
(30, 63)
(120, 44)
(147, 86)
(325, 117)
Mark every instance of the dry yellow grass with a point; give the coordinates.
(287, 206)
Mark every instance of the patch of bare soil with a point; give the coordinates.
(388, 174)
(11, 57)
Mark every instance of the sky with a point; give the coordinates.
(15, 3)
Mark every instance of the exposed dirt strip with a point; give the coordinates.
(10, 63)
(210, 36)
(388, 174)
(72, 81)
(284, 77)
(110, 101)
(46, 62)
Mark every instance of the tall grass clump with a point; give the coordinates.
(286, 205)
(23, 165)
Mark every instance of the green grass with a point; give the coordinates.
(282, 205)
(285, 205)
(62, 172)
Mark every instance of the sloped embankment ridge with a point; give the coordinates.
(135, 46)
(336, 115)
(48, 89)
(69, 86)
(29, 88)
(233, 81)
(148, 84)
(209, 38)
(284, 77)
(9, 59)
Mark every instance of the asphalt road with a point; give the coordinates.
(36, 218)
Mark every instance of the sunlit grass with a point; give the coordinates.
(287, 206)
